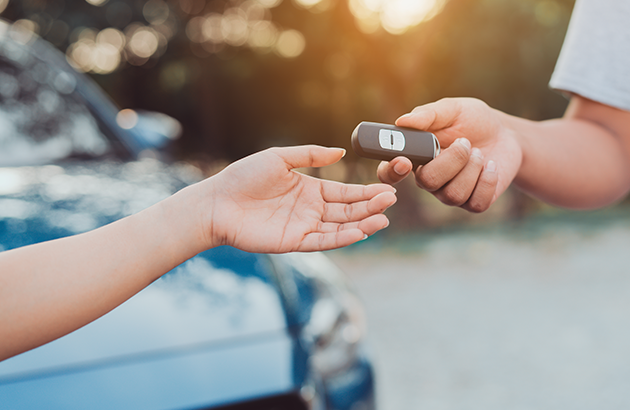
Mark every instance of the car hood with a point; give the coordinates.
(46, 202)
(221, 301)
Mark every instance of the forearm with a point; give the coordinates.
(581, 161)
(257, 204)
(50, 289)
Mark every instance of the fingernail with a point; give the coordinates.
(491, 166)
(477, 153)
(403, 117)
(464, 142)
(386, 225)
(364, 237)
(342, 149)
(395, 190)
(400, 168)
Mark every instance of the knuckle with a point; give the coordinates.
(428, 181)
(321, 242)
(343, 191)
(476, 160)
(460, 154)
(454, 197)
(387, 176)
(347, 210)
(477, 206)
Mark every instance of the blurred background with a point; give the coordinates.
(522, 307)
(243, 75)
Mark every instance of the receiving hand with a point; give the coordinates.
(471, 178)
(259, 204)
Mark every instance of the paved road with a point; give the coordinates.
(492, 321)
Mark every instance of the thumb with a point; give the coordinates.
(309, 155)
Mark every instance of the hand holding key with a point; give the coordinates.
(464, 174)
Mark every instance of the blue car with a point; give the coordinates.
(225, 330)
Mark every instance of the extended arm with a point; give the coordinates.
(580, 161)
(257, 204)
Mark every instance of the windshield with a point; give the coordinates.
(42, 118)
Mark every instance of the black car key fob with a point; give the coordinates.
(386, 142)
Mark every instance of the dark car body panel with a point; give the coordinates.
(167, 380)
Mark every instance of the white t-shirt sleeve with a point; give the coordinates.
(595, 57)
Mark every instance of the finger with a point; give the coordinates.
(369, 225)
(348, 193)
(484, 193)
(343, 236)
(445, 166)
(340, 212)
(309, 155)
(325, 227)
(373, 224)
(394, 171)
(459, 189)
(318, 241)
(433, 116)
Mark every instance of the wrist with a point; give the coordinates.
(189, 218)
(512, 130)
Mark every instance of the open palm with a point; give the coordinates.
(274, 209)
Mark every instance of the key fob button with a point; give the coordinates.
(390, 139)
(386, 142)
(399, 141)
(385, 138)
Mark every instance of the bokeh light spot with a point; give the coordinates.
(290, 44)
(80, 56)
(106, 58)
(192, 6)
(144, 42)
(100, 57)
(113, 37)
(234, 27)
(97, 3)
(307, 3)
(269, 3)
(3, 5)
(254, 11)
(24, 31)
(156, 11)
(127, 118)
(263, 35)
(211, 28)
(194, 29)
(395, 16)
